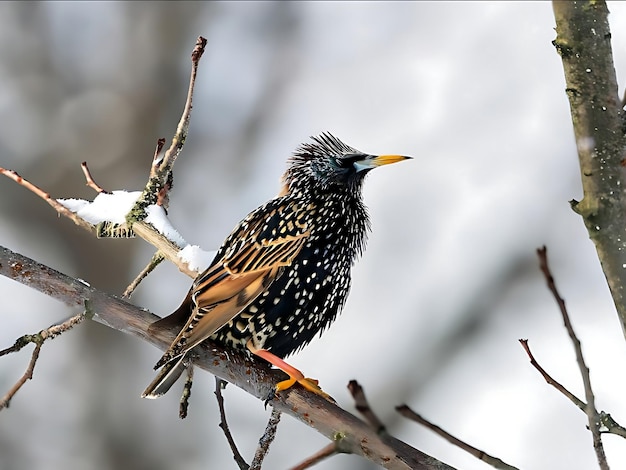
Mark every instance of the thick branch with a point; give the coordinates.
(253, 377)
(584, 44)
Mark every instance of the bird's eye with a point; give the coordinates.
(346, 161)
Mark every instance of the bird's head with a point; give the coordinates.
(329, 164)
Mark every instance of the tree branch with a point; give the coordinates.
(495, 462)
(266, 440)
(606, 422)
(38, 339)
(593, 416)
(239, 460)
(584, 43)
(233, 366)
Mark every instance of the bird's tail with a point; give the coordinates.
(166, 377)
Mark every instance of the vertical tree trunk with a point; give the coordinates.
(584, 44)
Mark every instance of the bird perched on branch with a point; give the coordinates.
(283, 274)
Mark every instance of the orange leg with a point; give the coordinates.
(294, 374)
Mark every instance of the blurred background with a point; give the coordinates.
(450, 280)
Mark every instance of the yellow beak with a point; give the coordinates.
(373, 161)
(387, 159)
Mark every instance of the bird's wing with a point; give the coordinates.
(251, 258)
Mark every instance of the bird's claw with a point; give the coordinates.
(311, 385)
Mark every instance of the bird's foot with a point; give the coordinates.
(312, 385)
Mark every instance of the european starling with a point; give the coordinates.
(283, 274)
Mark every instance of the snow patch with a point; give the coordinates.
(158, 219)
(104, 208)
(196, 258)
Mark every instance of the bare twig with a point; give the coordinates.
(6, 399)
(266, 440)
(495, 462)
(219, 385)
(592, 413)
(38, 339)
(324, 453)
(183, 125)
(157, 258)
(184, 399)
(573, 398)
(57, 206)
(90, 181)
(363, 407)
(161, 176)
(606, 421)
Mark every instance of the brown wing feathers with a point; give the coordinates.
(241, 275)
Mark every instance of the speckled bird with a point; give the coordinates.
(283, 274)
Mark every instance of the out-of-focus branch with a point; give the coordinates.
(584, 43)
(362, 406)
(322, 454)
(233, 366)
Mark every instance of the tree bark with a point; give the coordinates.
(584, 43)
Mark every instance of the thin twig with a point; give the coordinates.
(90, 181)
(161, 172)
(38, 339)
(156, 190)
(6, 399)
(60, 208)
(183, 125)
(324, 453)
(219, 385)
(363, 407)
(606, 420)
(573, 398)
(266, 440)
(592, 413)
(184, 399)
(156, 259)
(495, 462)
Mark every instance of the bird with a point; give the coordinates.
(283, 274)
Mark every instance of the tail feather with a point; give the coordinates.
(166, 377)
